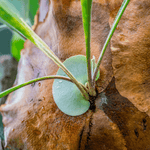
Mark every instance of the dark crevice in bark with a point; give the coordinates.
(38, 75)
(89, 133)
(92, 108)
(92, 105)
(31, 66)
(31, 100)
(92, 102)
(136, 133)
(33, 84)
(81, 134)
(144, 124)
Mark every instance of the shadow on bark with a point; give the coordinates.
(133, 124)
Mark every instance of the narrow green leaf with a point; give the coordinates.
(16, 22)
(8, 91)
(86, 17)
(117, 19)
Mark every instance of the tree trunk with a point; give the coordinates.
(121, 117)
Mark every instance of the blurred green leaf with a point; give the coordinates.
(17, 44)
(26, 9)
(33, 7)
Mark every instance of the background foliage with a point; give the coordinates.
(10, 41)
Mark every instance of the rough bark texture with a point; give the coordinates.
(120, 120)
(131, 49)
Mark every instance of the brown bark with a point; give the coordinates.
(130, 50)
(30, 116)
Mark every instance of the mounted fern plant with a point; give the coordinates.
(74, 85)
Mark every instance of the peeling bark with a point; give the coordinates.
(130, 50)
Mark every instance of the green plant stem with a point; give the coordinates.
(8, 91)
(85, 88)
(117, 19)
(88, 43)
(93, 64)
(86, 17)
(11, 19)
